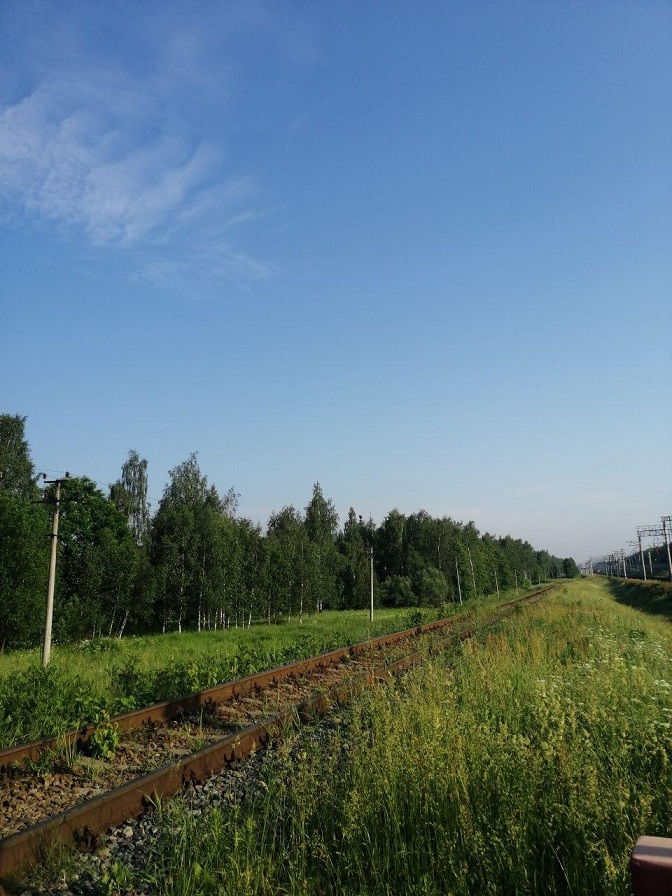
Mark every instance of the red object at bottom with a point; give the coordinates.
(651, 867)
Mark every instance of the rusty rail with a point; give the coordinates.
(166, 710)
(82, 824)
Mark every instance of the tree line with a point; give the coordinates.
(196, 563)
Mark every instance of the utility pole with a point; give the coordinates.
(496, 583)
(46, 648)
(459, 587)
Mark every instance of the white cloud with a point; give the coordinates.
(93, 155)
(64, 157)
(200, 269)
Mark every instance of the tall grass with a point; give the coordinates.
(525, 762)
(87, 681)
(652, 596)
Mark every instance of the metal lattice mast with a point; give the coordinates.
(657, 531)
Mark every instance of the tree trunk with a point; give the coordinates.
(123, 624)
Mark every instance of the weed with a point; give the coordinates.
(515, 766)
(57, 864)
(115, 880)
(110, 675)
(99, 645)
(415, 619)
(46, 763)
(105, 739)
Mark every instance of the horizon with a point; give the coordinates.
(421, 258)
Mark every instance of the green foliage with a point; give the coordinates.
(115, 880)
(570, 569)
(354, 566)
(292, 562)
(98, 645)
(40, 702)
(196, 566)
(431, 587)
(24, 564)
(397, 591)
(129, 495)
(92, 681)
(651, 597)
(526, 762)
(105, 739)
(97, 566)
(196, 552)
(17, 475)
(321, 523)
(416, 618)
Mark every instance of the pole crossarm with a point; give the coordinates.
(665, 530)
(650, 531)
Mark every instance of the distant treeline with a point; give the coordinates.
(195, 563)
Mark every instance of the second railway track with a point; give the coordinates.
(52, 792)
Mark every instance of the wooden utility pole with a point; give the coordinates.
(46, 648)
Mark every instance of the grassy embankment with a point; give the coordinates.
(95, 679)
(527, 761)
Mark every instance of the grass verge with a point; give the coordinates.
(93, 680)
(527, 761)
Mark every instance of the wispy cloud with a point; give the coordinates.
(202, 268)
(66, 155)
(117, 160)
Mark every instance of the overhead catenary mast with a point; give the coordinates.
(656, 531)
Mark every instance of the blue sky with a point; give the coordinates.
(420, 253)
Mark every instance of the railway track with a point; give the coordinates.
(53, 791)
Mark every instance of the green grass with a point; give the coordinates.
(92, 680)
(651, 597)
(525, 761)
